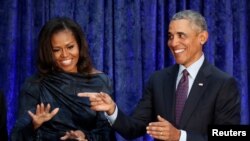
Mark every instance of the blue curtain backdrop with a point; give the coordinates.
(127, 40)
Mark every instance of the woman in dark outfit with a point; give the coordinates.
(49, 108)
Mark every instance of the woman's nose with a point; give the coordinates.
(64, 53)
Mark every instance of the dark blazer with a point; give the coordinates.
(3, 122)
(213, 99)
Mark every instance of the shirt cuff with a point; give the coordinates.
(112, 118)
(183, 136)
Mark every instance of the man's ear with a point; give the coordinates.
(203, 36)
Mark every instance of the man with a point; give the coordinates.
(209, 95)
(3, 129)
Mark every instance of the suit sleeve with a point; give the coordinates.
(227, 108)
(135, 125)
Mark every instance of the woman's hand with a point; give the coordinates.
(77, 135)
(42, 114)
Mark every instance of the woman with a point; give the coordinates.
(50, 97)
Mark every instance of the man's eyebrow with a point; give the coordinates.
(177, 32)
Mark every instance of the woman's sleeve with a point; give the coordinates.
(28, 99)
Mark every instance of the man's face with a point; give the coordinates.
(185, 41)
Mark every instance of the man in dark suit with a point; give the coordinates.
(3, 129)
(209, 96)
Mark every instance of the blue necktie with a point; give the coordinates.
(181, 95)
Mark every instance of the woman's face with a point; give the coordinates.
(65, 50)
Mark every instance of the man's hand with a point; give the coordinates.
(163, 130)
(42, 114)
(100, 102)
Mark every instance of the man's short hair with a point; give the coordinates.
(194, 17)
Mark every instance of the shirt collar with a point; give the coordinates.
(194, 68)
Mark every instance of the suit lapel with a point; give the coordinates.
(196, 92)
(169, 92)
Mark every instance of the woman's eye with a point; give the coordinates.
(70, 47)
(55, 50)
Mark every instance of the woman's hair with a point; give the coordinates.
(46, 62)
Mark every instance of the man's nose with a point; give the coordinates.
(174, 42)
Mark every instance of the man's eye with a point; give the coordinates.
(181, 35)
(170, 37)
